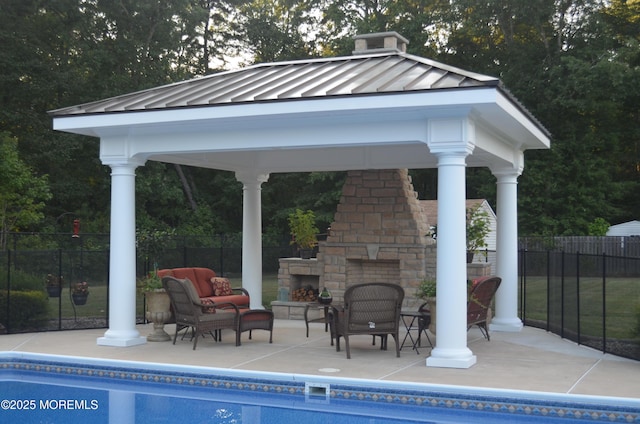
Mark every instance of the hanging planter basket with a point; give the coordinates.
(54, 291)
(79, 299)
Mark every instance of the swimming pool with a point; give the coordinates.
(46, 388)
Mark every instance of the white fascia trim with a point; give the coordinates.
(442, 99)
(525, 121)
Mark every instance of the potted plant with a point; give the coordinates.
(158, 306)
(80, 293)
(53, 285)
(477, 231)
(427, 292)
(302, 225)
(325, 297)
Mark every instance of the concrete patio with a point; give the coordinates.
(531, 360)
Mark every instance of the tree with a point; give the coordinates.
(563, 61)
(22, 193)
(573, 63)
(278, 30)
(417, 20)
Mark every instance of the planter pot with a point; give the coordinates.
(54, 291)
(79, 299)
(325, 300)
(159, 313)
(306, 253)
(325, 297)
(470, 254)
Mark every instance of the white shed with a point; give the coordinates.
(430, 211)
(631, 228)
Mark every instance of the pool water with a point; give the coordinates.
(47, 389)
(50, 403)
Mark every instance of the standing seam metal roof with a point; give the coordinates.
(303, 79)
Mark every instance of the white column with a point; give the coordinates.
(506, 301)
(122, 262)
(451, 141)
(451, 322)
(252, 235)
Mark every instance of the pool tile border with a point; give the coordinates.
(109, 371)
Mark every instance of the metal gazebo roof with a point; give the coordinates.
(318, 105)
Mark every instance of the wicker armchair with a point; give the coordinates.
(371, 309)
(479, 302)
(191, 313)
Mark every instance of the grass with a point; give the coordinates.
(622, 303)
(96, 305)
(622, 300)
(269, 289)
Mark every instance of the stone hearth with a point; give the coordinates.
(379, 234)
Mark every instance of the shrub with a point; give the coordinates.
(426, 289)
(21, 280)
(28, 310)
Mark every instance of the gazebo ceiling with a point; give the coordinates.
(358, 112)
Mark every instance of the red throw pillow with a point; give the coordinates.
(208, 309)
(221, 286)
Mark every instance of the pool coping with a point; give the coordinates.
(321, 389)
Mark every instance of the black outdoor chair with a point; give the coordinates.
(371, 309)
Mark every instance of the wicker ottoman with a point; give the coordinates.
(255, 319)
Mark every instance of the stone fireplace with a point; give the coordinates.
(379, 234)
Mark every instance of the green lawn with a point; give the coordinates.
(269, 289)
(96, 305)
(621, 305)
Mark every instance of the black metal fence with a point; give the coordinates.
(591, 299)
(26, 305)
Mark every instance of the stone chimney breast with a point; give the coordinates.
(380, 42)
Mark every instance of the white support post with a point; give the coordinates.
(506, 301)
(450, 141)
(252, 235)
(122, 262)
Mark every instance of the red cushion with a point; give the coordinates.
(165, 273)
(221, 286)
(237, 299)
(200, 277)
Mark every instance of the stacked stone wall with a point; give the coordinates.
(379, 234)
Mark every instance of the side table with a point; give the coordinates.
(324, 318)
(409, 318)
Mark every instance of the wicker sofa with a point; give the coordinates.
(211, 288)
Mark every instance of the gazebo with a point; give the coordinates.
(380, 108)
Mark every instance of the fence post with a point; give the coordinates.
(8, 321)
(578, 296)
(523, 285)
(60, 297)
(562, 295)
(548, 288)
(221, 241)
(604, 302)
